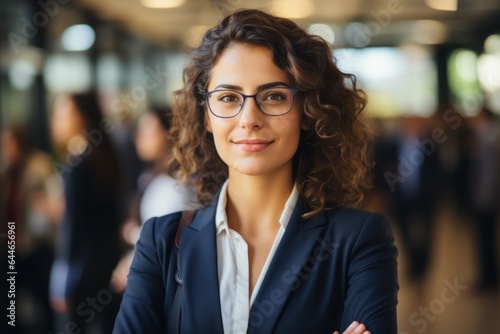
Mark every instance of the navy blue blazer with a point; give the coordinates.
(328, 271)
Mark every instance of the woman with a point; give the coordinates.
(88, 245)
(159, 194)
(276, 250)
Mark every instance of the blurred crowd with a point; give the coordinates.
(79, 208)
(423, 164)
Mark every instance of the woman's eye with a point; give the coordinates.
(274, 97)
(228, 98)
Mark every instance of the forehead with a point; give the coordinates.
(246, 65)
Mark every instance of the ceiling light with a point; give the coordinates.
(449, 5)
(79, 37)
(162, 3)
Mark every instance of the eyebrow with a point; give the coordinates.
(259, 88)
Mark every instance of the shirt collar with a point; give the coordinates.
(220, 213)
(221, 218)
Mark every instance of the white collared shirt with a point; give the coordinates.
(233, 266)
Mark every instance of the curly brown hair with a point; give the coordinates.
(331, 163)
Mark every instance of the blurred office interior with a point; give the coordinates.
(431, 69)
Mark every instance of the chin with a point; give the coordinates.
(248, 171)
(256, 171)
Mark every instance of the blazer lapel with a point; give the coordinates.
(295, 248)
(198, 268)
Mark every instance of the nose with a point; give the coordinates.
(250, 115)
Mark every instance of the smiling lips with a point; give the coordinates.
(253, 145)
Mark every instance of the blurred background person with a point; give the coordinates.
(158, 192)
(32, 195)
(484, 189)
(162, 193)
(88, 245)
(122, 136)
(412, 185)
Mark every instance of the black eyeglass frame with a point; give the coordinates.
(205, 96)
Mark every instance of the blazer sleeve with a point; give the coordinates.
(372, 286)
(141, 310)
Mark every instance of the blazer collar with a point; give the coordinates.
(198, 270)
(198, 267)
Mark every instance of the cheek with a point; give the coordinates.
(289, 128)
(220, 139)
(220, 131)
(291, 137)
(218, 126)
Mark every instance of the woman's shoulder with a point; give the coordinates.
(361, 236)
(353, 215)
(162, 227)
(353, 222)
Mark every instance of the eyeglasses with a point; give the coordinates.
(272, 101)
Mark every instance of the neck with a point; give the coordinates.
(255, 203)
